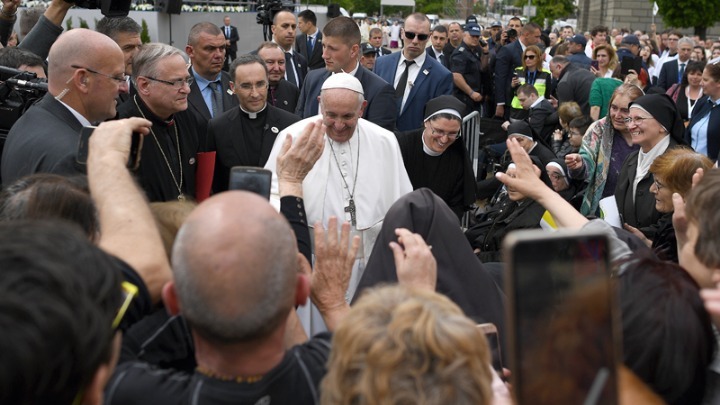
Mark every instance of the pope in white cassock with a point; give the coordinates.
(359, 175)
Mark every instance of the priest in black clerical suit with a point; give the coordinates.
(244, 136)
(436, 158)
(284, 95)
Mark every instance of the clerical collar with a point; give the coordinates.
(427, 150)
(253, 115)
(151, 115)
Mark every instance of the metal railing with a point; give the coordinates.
(471, 137)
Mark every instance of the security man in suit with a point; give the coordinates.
(283, 29)
(210, 92)
(231, 39)
(245, 136)
(309, 43)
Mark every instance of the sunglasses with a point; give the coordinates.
(531, 57)
(411, 35)
(129, 292)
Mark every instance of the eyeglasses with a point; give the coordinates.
(531, 57)
(176, 84)
(250, 86)
(411, 35)
(129, 292)
(657, 184)
(440, 134)
(120, 79)
(637, 120)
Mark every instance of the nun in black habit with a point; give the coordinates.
(435, 156)
(460, 276)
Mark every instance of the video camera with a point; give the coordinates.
(109, 8)
(18, 91)
(266, 10)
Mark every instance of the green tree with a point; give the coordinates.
(550, 9)
(144, 35)
(68, 23)
(699, 14)
(83, 23)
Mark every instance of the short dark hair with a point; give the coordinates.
(59, 295)
(308, 16)
(582, 123)
(246, 59)
(14, 57)
(527, 89)
(597, 29)
(111, 26)
(199, 28)
(530, 28)
(661, 310)
(440, 28)
(44, 196)
(344, 28)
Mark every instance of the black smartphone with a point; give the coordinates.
(630, 63)
(563, 318)
(255, 179)
(594, 64)
(135, 148)
(493, 339)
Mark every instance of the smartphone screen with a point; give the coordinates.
(493, 339)
(254, 179)
(594, 64)
(630, 63)
(562, 312)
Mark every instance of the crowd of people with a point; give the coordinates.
(151, 279)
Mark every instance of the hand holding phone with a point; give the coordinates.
(253, 179)
(120, 136)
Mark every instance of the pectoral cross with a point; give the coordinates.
(351, 209)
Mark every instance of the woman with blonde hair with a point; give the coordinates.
(530, 72)
(407, 345)
(607, 61)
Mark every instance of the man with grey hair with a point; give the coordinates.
(673, 70)
(168, 160)
(210, 94)
(359, 175)
(86, 74)
(244, 136)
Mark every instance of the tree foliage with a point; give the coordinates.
(550, 9)
(699, 14)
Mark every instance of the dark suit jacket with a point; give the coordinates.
(669, 73)
(642, 214)
(314, 61)
(43, 140)
(574, 85)
(234, 37)
(286, 96)
(197, 105)
(301, 67)
(224, 136)
(431, 52)
(701, 108)
(507, 59)
(433, 80)
(538, 120)
(380, 96)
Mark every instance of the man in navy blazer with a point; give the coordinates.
(438, 39)
(670, 71)
(310, 34)
(426, 78)
(341, 37)
(507, 59)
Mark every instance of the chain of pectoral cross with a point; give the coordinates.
(350, 208)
